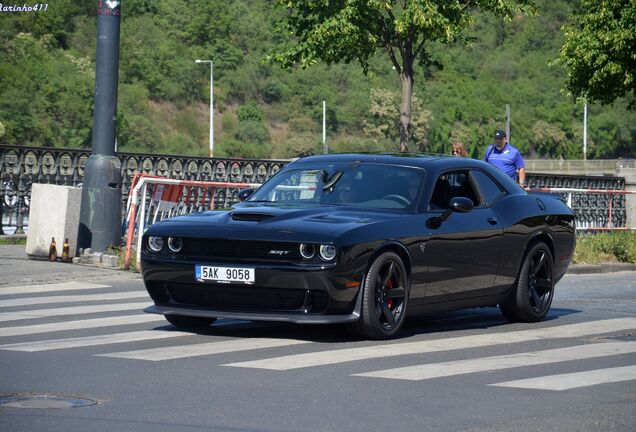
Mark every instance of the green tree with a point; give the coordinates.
(353, 30)
(599, 52)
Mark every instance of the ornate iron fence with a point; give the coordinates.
(20, 167)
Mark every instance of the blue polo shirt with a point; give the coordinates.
(508, 159)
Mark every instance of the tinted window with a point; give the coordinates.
(359, 185)
(490, 190)
(451, 185)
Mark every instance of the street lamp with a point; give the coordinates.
(211, 103)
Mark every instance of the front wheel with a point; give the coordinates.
(532, 295)
(189, 321)
(384, 298)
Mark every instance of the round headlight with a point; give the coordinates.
(175, 244)
(307, 251)
(327, 252)
(155, 244)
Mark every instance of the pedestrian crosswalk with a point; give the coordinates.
(83, 316)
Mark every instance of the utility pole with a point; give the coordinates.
(585, 131)
(324, 127)
(100, 215)
(508, 122)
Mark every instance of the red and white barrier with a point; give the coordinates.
(169, 198)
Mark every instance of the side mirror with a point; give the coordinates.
(244, 194)
(458, 204)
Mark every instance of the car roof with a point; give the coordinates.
(431, 161)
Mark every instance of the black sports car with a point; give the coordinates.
(363, 240)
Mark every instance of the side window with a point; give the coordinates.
(450, 185)
(490, 189)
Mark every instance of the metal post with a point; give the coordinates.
(324, 126)
(211, 104)
(508, 122)
(585, 131)
(100, 215)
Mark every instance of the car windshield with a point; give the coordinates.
(362, 185)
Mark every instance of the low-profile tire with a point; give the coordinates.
(384, 299)
(189, 321)
(533, 291)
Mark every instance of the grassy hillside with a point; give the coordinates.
(47, 62)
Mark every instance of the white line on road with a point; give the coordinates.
(86, 341)
(574, 380)
(79, 324)
(182, 351)
(484, 364)
(472, 341)
(72, 310)
(30, 301)
(65, 286)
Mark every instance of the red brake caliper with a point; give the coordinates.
(389, 302)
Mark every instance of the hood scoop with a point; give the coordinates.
(251, 217)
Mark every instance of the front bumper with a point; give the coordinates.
(289, 293)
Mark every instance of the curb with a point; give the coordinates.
(600, 268)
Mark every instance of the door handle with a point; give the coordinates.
(492, 220)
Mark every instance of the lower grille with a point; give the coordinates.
(246, 298)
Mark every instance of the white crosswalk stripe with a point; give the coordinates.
(32, 301)
(81, 293)
(483, 364)
(574, 380)
(428, 346)
(86, 341)
(182, 351)
(72, 310)
(79, 324)
(65, 286)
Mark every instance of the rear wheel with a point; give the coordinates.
(532, 295)
(189, 321)
(384, 298)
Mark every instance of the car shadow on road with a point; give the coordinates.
(467, 319)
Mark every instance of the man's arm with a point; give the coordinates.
(522, 177)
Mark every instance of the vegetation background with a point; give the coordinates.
(47, 62)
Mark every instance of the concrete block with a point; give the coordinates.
(110, 261)
(54, 212)
(630, 199)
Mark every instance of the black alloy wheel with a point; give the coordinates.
(384, 298)
(532, 296)
(189, 321)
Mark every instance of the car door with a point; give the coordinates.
(462, 252)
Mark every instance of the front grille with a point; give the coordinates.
(246, 249)
(246, 298)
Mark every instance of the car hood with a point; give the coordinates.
(274, 222)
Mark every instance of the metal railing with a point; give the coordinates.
(20, 167)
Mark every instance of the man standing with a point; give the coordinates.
(506, 157)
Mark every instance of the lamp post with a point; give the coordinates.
(211, 103)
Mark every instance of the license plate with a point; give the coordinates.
(224, 274)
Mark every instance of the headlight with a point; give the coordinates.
(175, 244)
(327, 252)
(155, 244)
(307, 251)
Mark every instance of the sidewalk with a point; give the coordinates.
(17, 269)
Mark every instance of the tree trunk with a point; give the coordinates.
(406, 130)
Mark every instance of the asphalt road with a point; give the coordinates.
(84, 336)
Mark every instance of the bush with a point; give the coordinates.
(606, 247)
